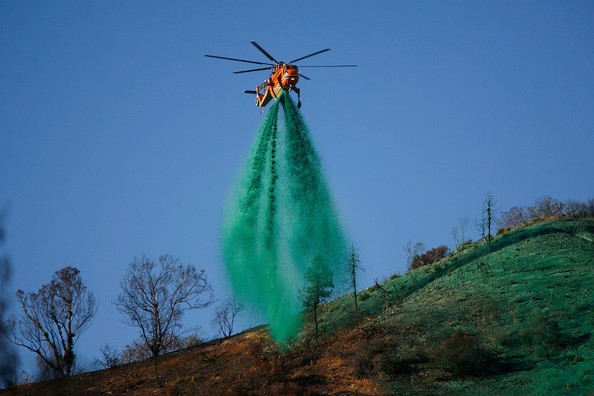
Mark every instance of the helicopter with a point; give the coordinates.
(284, 76)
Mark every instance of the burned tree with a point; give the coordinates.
(155, 296)
(354, 262)
(8, 362)
(53, 320)
(412, 251)
(225, 315)
(487, 220)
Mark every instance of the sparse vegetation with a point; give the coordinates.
(110, 357)
(514, 217)
(512, 315)
(137, 350)
(546, 207)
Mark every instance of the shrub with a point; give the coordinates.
(463, 354)
(364, 358)
(544, 333)
(429, 257)
(466, 244)
(381, 357)
(503, 230)
(364, 295)
(394, 276)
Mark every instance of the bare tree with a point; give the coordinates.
(135, 352)
(319, 287)
(354, 262)
(411, 251)
(8, 362)
(155, 297)
(590, 207)
(53, 320)
(110, 357)
(545, 207)
(514, 217)
(459, 233)
(138, 350)
(575, 208)
(488, 217)
(225, 315)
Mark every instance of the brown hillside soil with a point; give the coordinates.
(514, 317)
(248, 363)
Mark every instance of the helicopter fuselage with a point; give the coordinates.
(284, 77)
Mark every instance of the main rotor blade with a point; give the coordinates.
(252, 70)
(247, 91)
(330, 66)
(301, 75)
(264, 52)
(238, 60)
(310, 55)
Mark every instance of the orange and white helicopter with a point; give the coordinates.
(284, 76)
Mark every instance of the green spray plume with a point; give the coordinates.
(280, 217)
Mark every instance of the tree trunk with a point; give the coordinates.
(156, 369)
(316, 318)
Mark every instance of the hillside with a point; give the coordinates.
(512, 317)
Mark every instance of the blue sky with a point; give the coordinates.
(119, 138)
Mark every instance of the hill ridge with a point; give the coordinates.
(510, 317)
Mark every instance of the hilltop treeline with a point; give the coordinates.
(545, 207)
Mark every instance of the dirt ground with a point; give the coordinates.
(512, 317)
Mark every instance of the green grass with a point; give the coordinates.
(512, 317)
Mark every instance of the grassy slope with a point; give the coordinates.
(512, 317)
